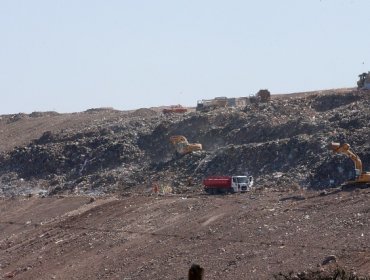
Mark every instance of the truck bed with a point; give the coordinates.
(217, 182)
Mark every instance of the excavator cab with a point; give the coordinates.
(182, 145)
(361, 177)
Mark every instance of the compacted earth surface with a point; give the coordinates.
(254, 235)
(76, 198)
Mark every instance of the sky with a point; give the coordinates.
(73, 55)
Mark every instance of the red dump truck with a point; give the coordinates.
(174, 109)
(227, 184)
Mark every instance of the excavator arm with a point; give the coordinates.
(362, 177)
(346, 149)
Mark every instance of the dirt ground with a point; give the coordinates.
(242, 236)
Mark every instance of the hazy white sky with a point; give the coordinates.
(73, 55)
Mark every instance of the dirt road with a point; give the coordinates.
(245, 236)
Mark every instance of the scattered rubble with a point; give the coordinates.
(333, 273)
(112, 151)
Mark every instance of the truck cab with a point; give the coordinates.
(240, 183)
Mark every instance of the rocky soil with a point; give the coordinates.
(256, 235)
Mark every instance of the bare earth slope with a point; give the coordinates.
(248, 236)
(21, 129)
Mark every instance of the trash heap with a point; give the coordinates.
(282, 143)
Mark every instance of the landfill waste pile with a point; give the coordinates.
(332, 273)
(282, 143)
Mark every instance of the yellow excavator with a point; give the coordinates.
(182, 145)
(361, 177)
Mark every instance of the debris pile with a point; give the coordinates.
(281, 143)
(323, 274)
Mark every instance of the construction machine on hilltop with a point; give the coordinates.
(206, 105)
(182, 145)
(362, 178)
(174, 109)
(364, 81)
(263, 96)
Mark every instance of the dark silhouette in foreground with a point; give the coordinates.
(195, 272)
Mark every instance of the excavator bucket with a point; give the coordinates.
(192, 147)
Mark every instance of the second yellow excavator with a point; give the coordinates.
(182, 145)
(361, 177)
